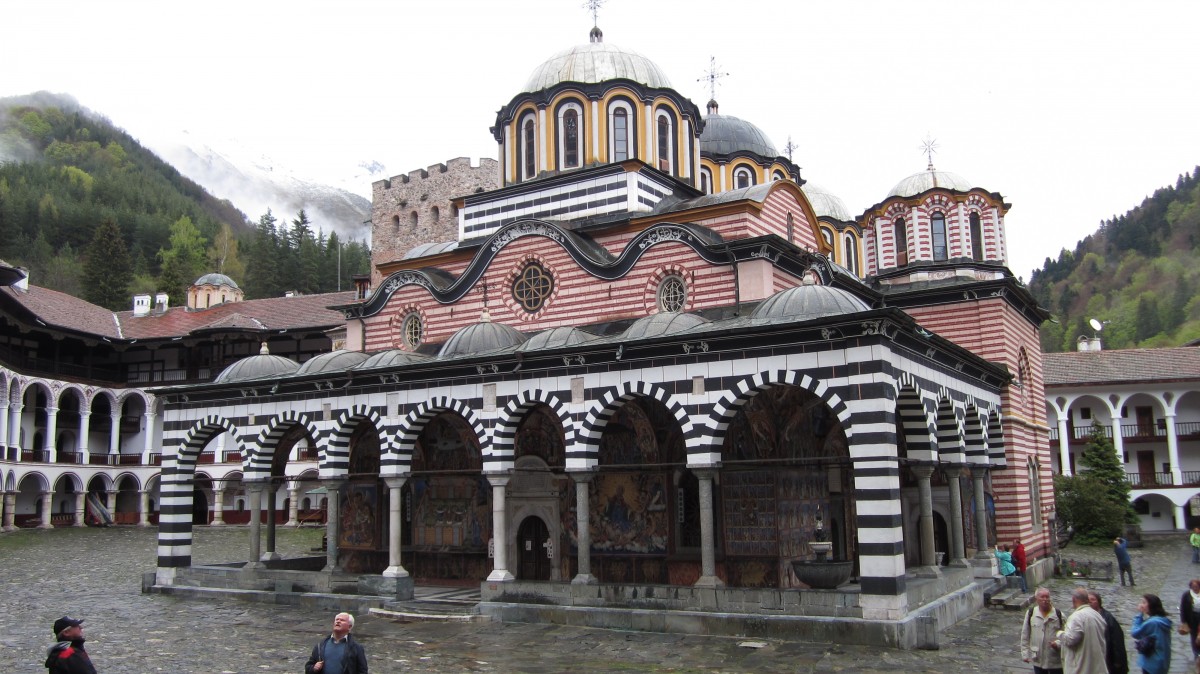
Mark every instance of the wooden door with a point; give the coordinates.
(533, 550)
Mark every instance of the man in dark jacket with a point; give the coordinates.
(1115, 656)
(338, 653)
(1189, 614)
(67, 656)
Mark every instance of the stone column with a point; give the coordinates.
(110, 502)
(271, 493)
(47, 504)
(1118, 438)
(4, 426)
(79, 508)
(333, 503)
(708, 538)
(85, 415)
(114, 434)
(1064, 448)
(978, 473)
(293, 507)
(144, 509)
(218, 518)
(957, 548)
(14, 427)
(583, 529)
(254, 492)
(1173, 455)
(51, 452)
(500, 571)
(148, 433)
(10, 510)
(395, 569)
(928, 551)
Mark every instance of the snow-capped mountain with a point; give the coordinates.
(254, 183)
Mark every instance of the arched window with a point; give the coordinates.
(620, 131)
(1035, 495)
(851, 253)
(901, 232)
(937, 226)
(395, 224)
(777, 175)
(706, 183)
(743, 177)
(666, 142)
(412, 219)
(976, 237)
(570, 135)
(528, 148)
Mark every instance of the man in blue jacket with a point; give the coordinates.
(338, 653)
(1124, 563)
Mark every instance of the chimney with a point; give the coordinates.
(141, 305)
(160, 303)
(1085, 343)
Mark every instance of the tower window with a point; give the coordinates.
(436, 213)
(938, 230)
(777, 175)
(620, 134)
(412, 330)
(851, 253)
(528, 148)
(412, 219)
(901, 232)
(706, 184)
(743, 177)
(672, 294)
(976, 237)
(570, 136)
(664, 144)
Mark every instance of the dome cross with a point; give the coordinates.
(713, 75)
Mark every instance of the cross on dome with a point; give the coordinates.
(929, 147)
(713, 75)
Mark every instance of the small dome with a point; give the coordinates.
(809, 302)
(825, 203)
(595, 62)
(257, 367)
(928, 179)
(482, 337)
(556, 337)
(333, 361)
(656, 325)
(215, 280)
(725, 135)
(392, 358)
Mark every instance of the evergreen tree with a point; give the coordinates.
(1100, 457)
(184, 261)
(107, 269)
(1095, 503)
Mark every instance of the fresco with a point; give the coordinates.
(629, 513)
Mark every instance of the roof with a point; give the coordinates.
(594, 62)
(215, 279)
(826, 203)
(1120, 365)
(725, 135)
(923, 181)
(65, 312)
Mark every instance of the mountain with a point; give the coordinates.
(255, 182)
(1138, 275)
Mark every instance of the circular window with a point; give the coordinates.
(532, 287)
(672, 294)
(412, 330)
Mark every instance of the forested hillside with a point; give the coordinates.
(92, 213)
(1138, 274)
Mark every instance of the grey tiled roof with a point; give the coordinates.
(1121, 365)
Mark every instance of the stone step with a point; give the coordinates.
(425, 611)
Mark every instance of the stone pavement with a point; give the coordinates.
(95, 574)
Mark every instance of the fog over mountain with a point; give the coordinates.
(254, 182)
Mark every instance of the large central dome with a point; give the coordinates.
(596, 62)
(724, 135)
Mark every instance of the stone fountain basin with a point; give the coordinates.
(822, 575)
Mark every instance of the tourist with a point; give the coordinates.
(1152, 623)
(68, 656)
(1018, 559)
(1189, 614)
(1124, 562)
(1004, 557)
(1081, 641)
(1042, 622)
(1115, 657)
(338, 653)
(1195, 541)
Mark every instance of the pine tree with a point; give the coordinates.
(107, 269)
(1100, 457)
(184, 261)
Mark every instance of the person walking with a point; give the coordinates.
(338, 653)
(1189, 614)
(1018, 560)
(1194, 539)
(1081, 641)
(68, 656)
(1115, 657)
(1124, 562)
(1152, 623)
(1042, 622)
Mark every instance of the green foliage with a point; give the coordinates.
(107, 272)
(1146, 265)
(1096, 501)
(184, 261)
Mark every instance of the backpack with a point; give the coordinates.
(1029, 617)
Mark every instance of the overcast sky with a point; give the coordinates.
(1074, 111)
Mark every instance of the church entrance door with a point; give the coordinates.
(534, 555)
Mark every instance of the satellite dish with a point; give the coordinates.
(1096, 325)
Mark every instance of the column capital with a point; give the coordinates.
(498, 479)
(582, 476)
(395, 482)
(707, 472)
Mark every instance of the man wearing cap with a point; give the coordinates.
(67, 656)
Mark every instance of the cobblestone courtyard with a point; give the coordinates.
(95, 574)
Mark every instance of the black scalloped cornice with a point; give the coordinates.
(591, 258)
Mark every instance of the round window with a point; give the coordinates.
(532, 287)
(412, 331)
(672, 294)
